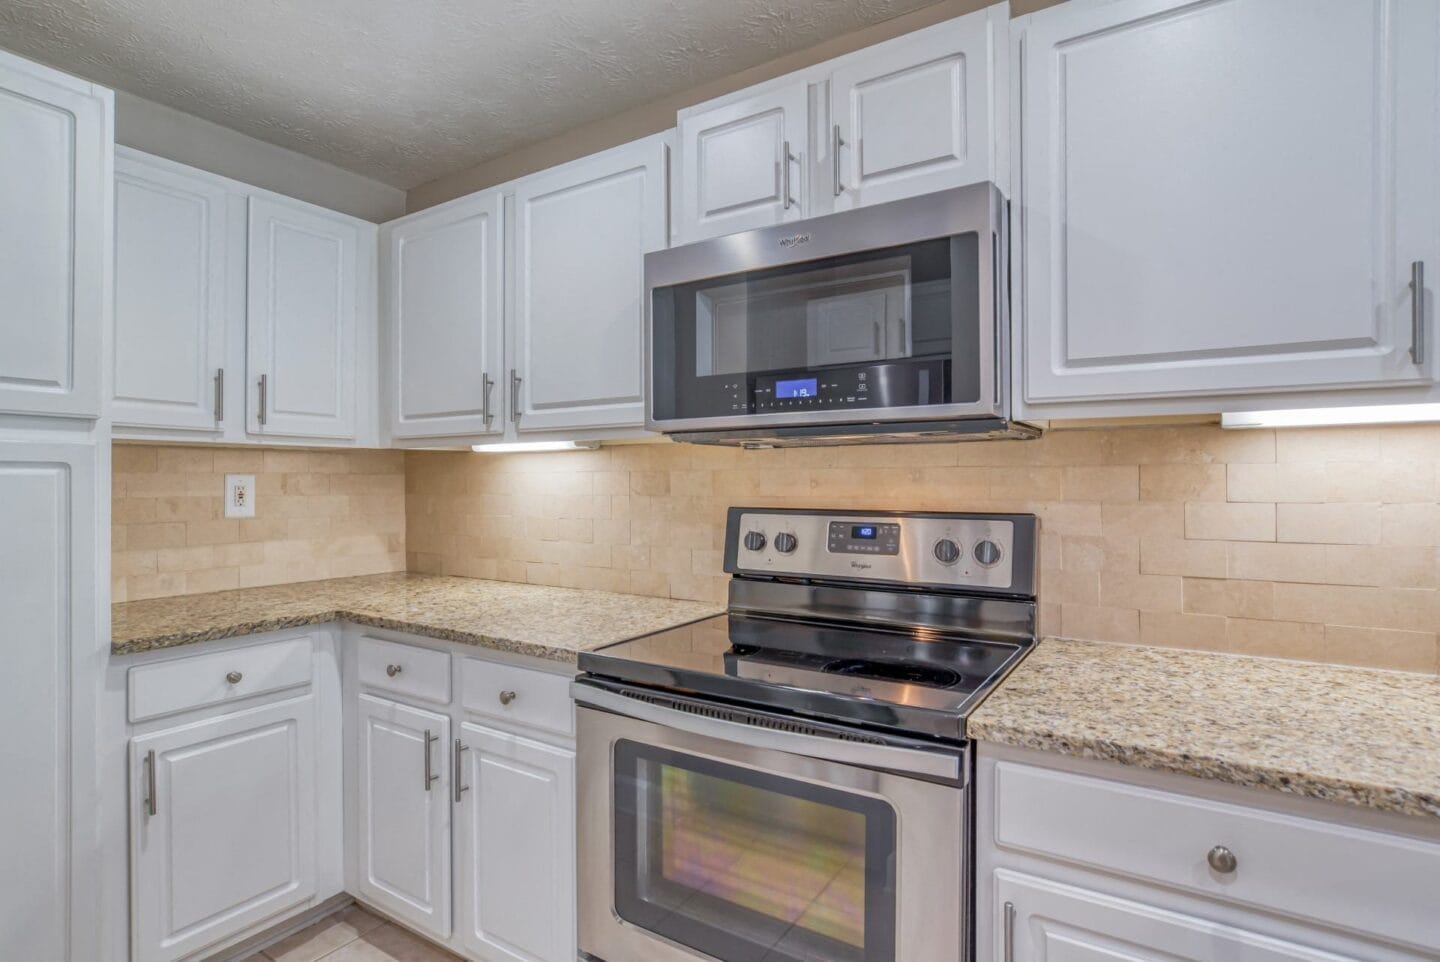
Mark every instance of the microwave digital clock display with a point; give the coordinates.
(799, 387)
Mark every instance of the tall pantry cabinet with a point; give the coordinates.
(55, 193)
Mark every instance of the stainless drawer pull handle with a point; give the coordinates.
(1009, 935)
(219, 394)
(393, 670)
(1417, 312)
(789, 158)
(430, 741)
(487, 386)
(836, 142)
(264, 401)
(456, 766)
(515, 380)
(151, 806)
(506, 697)
(233, 677)
(1222, 860)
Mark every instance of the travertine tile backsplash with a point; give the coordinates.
(1319, 544)
(319, 514)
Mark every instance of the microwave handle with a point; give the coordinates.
(891, 758)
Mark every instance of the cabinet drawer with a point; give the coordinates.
(1367, 881)
(519, 696)
(422, 673)
(186, 683)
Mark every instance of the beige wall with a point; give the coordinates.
(652, 118)
(1314, 544)
(319, 514)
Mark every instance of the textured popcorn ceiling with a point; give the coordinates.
(407, 90)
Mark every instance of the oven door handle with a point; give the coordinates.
(931, 763)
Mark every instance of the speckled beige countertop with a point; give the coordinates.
(1368, 738)
(552, 623)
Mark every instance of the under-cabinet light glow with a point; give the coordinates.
(1325, 417)
(520, 447)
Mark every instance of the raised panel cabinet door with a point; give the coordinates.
(222, 828)
(443, 318)
(516, 847)
(743, 164)
(581, 233)
(55, 169)
(170, 259)
(1051, 922)
(404, 812)
(47, 617)
(915, 114)
(302, 320)
(1225, 197)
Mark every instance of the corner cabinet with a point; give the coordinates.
(1222, 198)
(441, 295)
(240, 315)
(920, 113)
(577, 320)
(55, 200)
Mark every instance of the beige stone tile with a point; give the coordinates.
(1112, 483)
(313, 942)
(1145, 592)
(1264, 561)
(1275, 639)
(185, 559)
(1098, 553)
(1093, 623)
(1229, 522)
(1412, 524)
(212, 532)
(1410, 442)
(1146, 519)
(1328, 523)
(390, 943)
(1327, 444)
(1182, 482)
(1409, 609)
(190, 508)
(156, 485)
(1177, 556)
(184, 460)
(138, 587)
(1382, 481)
(133, 511)
(212, 579)
(1290, 481)
(133, 459)
(1167, 629)
(169, 535)
(1189, 444)
(1384, 566)
(1379, 648)
(1081, 587)
(1236, 599)
(239, 461)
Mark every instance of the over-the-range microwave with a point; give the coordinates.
(884, 323)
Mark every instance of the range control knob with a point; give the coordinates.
(785, 542)
(987, 553)
(755, 540)
(947, 552)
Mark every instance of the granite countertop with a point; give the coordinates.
(551, 623)
(1367, 738)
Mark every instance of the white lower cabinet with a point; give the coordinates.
(223, 826)
(1083, 861)
(403, 812)
(515, 847)
(1060, 923)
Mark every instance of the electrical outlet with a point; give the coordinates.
(239, 495)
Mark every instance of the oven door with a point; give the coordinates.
(888, 313)
(717, 837)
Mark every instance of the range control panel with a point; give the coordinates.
(985, 551)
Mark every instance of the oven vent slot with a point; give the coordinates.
(758, 721)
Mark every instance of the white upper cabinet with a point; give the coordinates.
(223, 826)
(743, 162)
(55, 169)
(577, 319)
(444, 332)
(170, 296)
(916, 114)
(1221, 198)
(303, 312)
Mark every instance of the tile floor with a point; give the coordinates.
(353, 935)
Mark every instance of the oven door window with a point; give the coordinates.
(896, 327)
(748, 865)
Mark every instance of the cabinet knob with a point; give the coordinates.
(233, 677)
(506, 697)
(1222, 860)
(392, 670)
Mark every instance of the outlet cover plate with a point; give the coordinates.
(239, 495)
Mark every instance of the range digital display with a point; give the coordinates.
(799, 387)
(864, 532)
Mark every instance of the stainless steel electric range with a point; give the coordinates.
(790, 781)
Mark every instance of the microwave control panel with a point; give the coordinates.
(905, 383)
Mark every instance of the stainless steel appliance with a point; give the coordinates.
(885, 323)
(789, 782)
